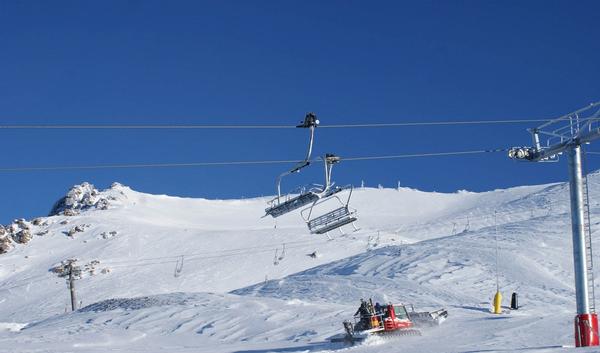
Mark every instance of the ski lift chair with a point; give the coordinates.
(334, 219)
(302, 196)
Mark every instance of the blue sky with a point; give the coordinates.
(270, 62)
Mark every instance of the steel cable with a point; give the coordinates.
(257, 127)
(237, 163)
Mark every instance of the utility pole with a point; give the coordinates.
(566, 134)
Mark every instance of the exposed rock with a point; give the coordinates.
(21, 223)
(18, 231)
(90, 267)
(5, 244)
(58, 269)
(79, 198)
(12, 228)
(23, 236)
(4, 248)
(76, 229)
(70, 213)
(102, 204)
(106, 235)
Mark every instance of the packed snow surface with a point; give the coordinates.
(168, 274)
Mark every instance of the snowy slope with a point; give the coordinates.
(430, 249)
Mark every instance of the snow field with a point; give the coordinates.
(430, 249)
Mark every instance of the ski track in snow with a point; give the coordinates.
(430, 249)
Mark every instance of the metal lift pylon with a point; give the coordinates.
(566, 134)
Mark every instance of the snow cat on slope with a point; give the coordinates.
(387, 320)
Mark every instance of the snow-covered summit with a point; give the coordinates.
(85, 196)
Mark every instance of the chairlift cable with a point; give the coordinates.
(434, 123)
(196, 258)
(147, 165)
(211, 252)
(207, 255)
(257, 127)
(233, 163)
(416, 155)
(140, 127)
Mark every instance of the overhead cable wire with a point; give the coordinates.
(416, 155)
(235, 163)
(213, 252)
(258, 127)
(198, 258)
(150, 165)
(141, 127)
(433, 123)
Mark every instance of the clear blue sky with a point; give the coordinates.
(270, 62)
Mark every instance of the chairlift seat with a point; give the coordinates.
(292, 204)
(334, 190)
(332, 220)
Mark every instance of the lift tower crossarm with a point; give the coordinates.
(551, 152)
(579, 127)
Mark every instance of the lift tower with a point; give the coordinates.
(566, 134)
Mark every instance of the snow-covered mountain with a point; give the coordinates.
(168, 274)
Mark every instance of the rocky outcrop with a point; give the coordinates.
(5, 245)
(19, 230)
(77, 229)
(5, 241)
(23, 236)
(108, 235)
(80, 198)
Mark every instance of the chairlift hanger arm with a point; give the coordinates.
(296, 169)
(310, 144)
(349, 195)
(310, 122)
